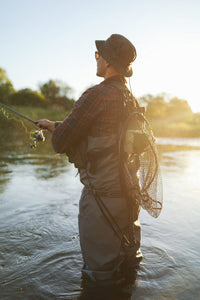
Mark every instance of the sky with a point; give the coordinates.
(55, 39)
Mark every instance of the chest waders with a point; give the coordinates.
(128, 238)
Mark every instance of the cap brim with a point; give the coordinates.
(100, 45)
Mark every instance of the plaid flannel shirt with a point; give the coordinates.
(96, 113)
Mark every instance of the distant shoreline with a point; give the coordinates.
(161, 128)
(173, 148)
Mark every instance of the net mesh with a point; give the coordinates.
(150, 181)
(140, 164)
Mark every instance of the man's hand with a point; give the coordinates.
(46, 124)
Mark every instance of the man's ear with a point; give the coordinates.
(108, 64)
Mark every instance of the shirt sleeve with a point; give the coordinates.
(78, 123)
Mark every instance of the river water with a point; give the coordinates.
(40, 255)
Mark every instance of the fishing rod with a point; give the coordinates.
(37, 135)
(21, 115)
(16, 112)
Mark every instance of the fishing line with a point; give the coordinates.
(21, 115)
(36, 135)
(9, 117)
(16, 112)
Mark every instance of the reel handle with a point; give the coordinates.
(42, 127)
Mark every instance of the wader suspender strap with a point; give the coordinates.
(110, 219)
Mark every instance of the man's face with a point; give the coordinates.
(101, 66)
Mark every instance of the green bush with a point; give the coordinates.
(28, 97)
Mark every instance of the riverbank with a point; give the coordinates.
(161, 128)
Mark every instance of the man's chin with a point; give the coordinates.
(99, 75)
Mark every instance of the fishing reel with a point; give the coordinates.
(36, 136)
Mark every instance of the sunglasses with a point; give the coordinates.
(97, 55)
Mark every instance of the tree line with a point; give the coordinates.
(166, 108)
(168, 116)
(51, 94)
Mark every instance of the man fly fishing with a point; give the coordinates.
(109, 237)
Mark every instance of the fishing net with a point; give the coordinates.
(140, 164)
